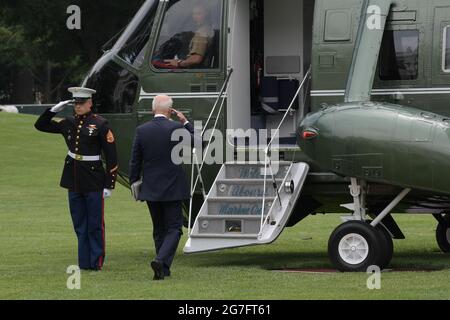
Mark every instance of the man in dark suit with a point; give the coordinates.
(164, 184)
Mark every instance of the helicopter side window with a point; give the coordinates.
(189, 36)
(399, 55)
(446, 46)
(116, 89)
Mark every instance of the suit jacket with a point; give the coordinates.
(151, 154)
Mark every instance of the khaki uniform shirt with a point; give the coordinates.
(201, 40)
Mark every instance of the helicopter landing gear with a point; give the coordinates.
(359, 243)
(354, 246)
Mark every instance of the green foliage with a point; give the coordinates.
(37, 244)
(12, 40)
(34, 36)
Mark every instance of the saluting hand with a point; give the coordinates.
(60, 106)
(180, 116)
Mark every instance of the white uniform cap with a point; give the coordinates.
(81, 93)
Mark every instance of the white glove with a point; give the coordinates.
(107, 193)
(60, 106)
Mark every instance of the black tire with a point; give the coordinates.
(443, 237)
(387, 246)
(361, 230)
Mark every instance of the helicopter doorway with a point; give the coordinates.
(269, 50)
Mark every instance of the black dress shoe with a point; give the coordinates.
(157, 269)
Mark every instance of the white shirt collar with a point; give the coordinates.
(163, 116)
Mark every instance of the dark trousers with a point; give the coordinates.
(167, 220)
(87, 211)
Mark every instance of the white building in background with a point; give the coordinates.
(10, 109)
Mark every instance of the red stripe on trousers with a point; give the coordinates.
(100, 261)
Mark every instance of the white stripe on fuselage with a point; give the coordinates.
(384, 92)
(314, 93)
(181, 95)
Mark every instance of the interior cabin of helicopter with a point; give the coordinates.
(269, 49)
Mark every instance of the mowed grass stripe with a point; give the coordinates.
(37, 244)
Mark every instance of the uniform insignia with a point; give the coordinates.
(91, 128)
(110, 137)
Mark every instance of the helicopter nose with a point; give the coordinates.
(307, 130)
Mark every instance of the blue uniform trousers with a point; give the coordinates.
(167, 217)
(87, 211)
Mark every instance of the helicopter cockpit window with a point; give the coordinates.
(399, 55)
(446, 53)
(133, 50)
(189, 36)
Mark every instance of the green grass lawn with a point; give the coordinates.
(37, 244)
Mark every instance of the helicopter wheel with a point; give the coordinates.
(387, 245)
(355, 246)
(443, 236)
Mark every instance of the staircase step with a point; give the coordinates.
(231, 216)
(238, 205)
(225, 236)
(255, 170)
(245, 187)
(229, 224)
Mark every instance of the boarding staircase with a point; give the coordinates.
(249, 203)
(243, 208)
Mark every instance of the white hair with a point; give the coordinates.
(162, 102)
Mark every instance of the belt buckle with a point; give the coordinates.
(78, 157)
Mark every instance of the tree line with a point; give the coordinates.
(40, 57)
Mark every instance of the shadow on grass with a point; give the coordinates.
(411, 259)
(415, 259)
(263, 260)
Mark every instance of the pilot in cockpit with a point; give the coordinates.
(195, 54)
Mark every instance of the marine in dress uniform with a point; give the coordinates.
(87, 135)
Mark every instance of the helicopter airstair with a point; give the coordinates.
(243, 208)
(249, 203)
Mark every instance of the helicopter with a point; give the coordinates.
(352, 96)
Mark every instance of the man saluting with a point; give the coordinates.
(86, 135)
